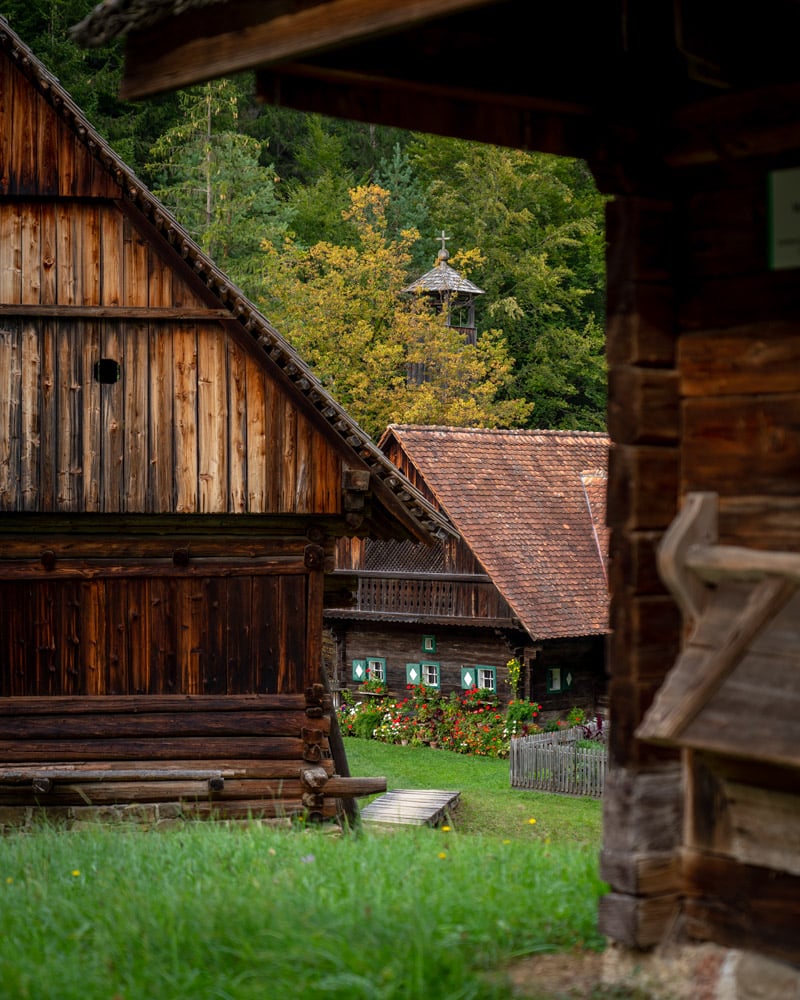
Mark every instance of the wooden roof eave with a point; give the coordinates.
(394, 494)
(165, 46)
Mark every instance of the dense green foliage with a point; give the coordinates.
(266, 191)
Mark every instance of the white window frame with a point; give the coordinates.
(430, 674)
(484, 674)
(376, 669)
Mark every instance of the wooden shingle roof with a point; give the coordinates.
(531, 506)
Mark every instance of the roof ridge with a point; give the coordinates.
(515, 431)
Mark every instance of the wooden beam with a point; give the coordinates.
(696, 524)
(113, 312)
(668, 719)
(233, 37)
(501, 117)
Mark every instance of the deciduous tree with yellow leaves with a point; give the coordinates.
(343, 308)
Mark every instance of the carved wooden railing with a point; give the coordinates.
(439, 597)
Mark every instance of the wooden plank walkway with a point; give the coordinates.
(411, 807)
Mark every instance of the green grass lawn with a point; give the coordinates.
(209, 911)
(488, 803)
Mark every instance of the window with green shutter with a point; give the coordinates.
(413, 673)
(486, 679)
(423, 673)
(429, 644)
(376, 668)
(558, 679)
(430, 674)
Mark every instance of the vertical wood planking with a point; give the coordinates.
(137, 374)
(89, 247)
(6, 124)
(10, 390)
(164, 678)
(214, 661)
(275, 434)
(137, 620)
(23, 151)
(70, 406)
(67, 154)
(305, 466)
(135, 266)
(292, 632)
(8, 594)
(264, 634)
(212, 410)
(312, 664)
(46, 148)
(94, 658)
(11, 242)
(112, 419)
(328, 491)
(117, 640)
(44, 610)
(135, 463)
(111, 255)
(49, 418)
(91, 443)
(32, 254)
(257, 444)
(161, 482)
(240, 679)
(69, 630)
(161, 384)
(237, 438)
(287, 448)
(159, 280)
(191, 614)
(49, 243)
(185, 420)
(21, 639)
(69, 275)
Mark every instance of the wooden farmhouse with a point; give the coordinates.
(688, 113)
(172, 482)
(524, 578)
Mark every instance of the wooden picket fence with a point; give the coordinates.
(553, 762)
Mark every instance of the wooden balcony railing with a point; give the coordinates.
(449, 597)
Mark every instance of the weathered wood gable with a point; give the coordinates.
(172, 482)
(196, 422)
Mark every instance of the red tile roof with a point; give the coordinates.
(531, 506)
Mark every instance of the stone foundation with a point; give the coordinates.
(700, 972)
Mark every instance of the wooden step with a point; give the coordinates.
(411, 807)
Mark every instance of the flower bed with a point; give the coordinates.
(469, 722)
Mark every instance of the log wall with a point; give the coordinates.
(402, 644)
(702, 347)
(155, 758)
